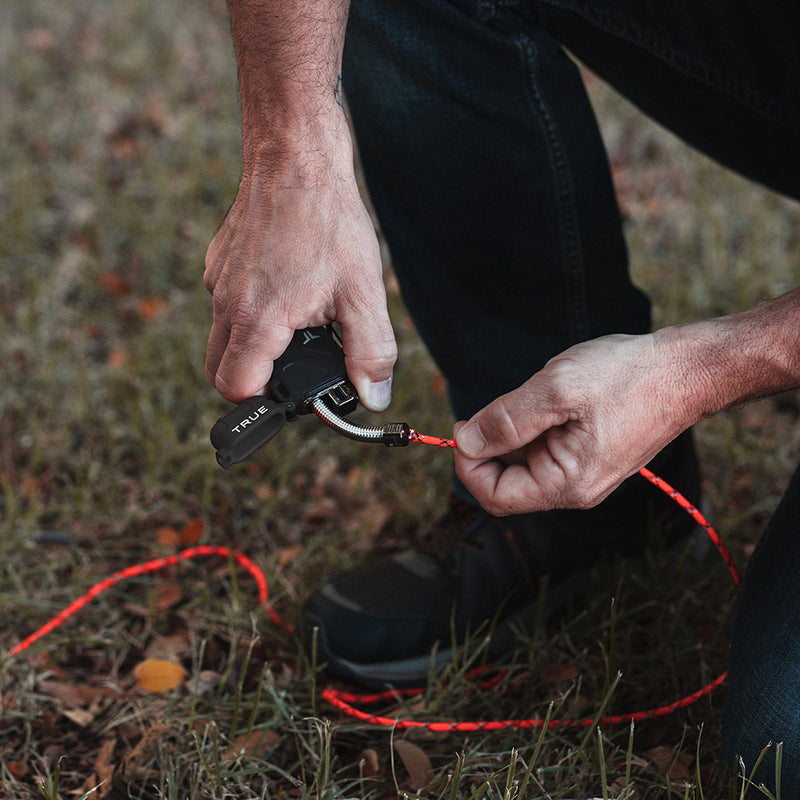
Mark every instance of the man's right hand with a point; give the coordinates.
(297, 249)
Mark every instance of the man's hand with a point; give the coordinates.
(572, 433)
(598, 412)
(297, 249)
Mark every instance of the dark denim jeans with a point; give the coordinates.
(492, 187)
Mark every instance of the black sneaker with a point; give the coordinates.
(396, 619)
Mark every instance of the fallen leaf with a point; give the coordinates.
(169, 648)
(167, 595)
(17, 768)
(150, 307)
(146, 748)
(558, 673)
(256, 743)
(65, 692)
(80, 716)
(368, 763)
(29, 486)
(287, 555)
(168, 536)
(192, 532)
(158, 675)
(676, 765)
(104, 767)
(115, 284)
(629, 789)
(416, 762)
(117, 358)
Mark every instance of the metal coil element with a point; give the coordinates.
(360, 433)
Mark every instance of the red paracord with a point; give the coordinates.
(347, 702)
(155, 565)
(436, 441)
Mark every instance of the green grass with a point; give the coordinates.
(119, 153)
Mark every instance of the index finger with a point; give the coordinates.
(248, 352)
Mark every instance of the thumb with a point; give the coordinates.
(507, 424)
(370, 354)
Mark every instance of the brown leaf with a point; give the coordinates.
(167, 595)
(287, 555)
(169, 648)
(558, 673)
(619, 786)
(103, 768)
(192, 532)
(368, 763)
(158, 675)
(115, 284)
(67, 693)
(416, 762)
(256, 743)
(29, 486)
(676, 765)
(17, 768)
(80, 716)
(146, 748)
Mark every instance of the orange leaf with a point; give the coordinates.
(117, 358)
(104, 766)
(157, 675)
(192, 531)
(168, 536)
(115, 284)
(150, 307)
(17, 768)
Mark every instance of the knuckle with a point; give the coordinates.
(504, 424)
(239, 306)
(380, 355)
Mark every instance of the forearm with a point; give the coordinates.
(739, 357)
(298, 247)
(289, 58)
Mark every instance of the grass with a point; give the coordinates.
(119, 156)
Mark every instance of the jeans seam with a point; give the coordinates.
(684, 64)
(573, 257)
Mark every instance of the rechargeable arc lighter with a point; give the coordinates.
(310, 377)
